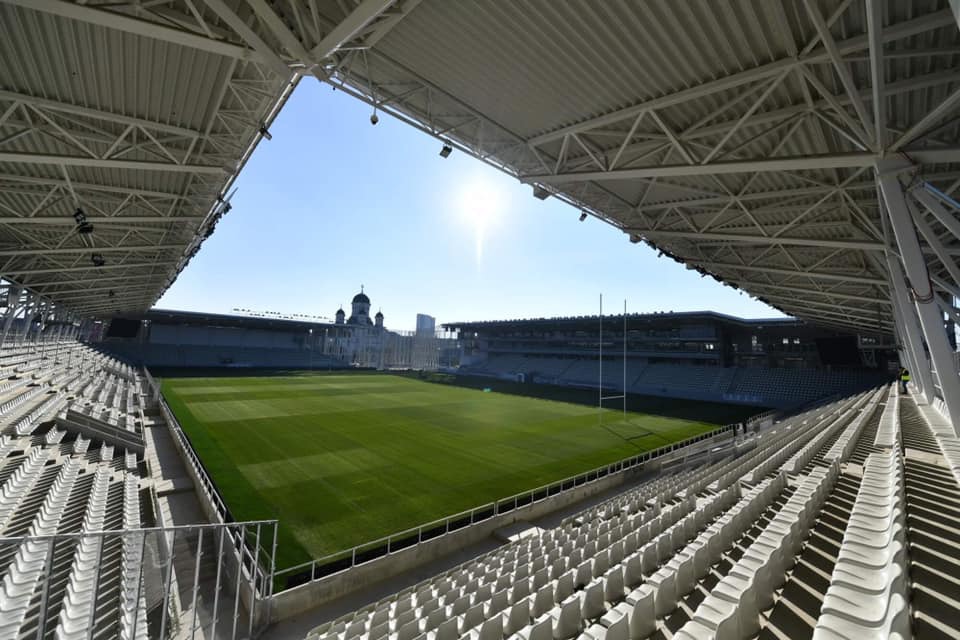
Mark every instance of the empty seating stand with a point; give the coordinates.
(868, 594)
(52, 482)
(620, 569)
(888, 431)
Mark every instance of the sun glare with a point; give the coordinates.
(481, 206)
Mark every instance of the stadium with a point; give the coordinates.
(169, 473)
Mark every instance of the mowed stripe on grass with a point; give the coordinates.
(343, 459)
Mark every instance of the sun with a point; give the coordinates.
(481, 206)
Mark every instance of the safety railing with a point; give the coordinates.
(260, 565)
(185, 579)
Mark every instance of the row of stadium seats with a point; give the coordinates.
(868, 594)
(171, 355)
(55, 482)
(773, 387)
(731, 530)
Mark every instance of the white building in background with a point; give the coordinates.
(365, 342)
(426, 324)
(360, 313)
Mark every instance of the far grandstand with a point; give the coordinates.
(779, 362)
(782, 363)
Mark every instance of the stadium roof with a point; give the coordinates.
(741, 137)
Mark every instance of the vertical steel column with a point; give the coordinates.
(28, 302)
(908, 322)
(916, 361)
(13, 304)
(600, 370)
(934, 243)
(624, 360)
(39, 308)
(931, 318)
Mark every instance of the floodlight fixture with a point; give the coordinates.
(445, 151)
(540, 193)
(84, 228)
(265, 132)
(97, 259)
(583, 216)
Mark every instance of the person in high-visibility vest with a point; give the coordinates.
(904, 379)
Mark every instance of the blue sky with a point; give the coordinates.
(332, 202)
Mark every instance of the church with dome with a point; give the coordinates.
(360, 313)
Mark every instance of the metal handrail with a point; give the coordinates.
(212, 494)
(132, 531)
(209, 488)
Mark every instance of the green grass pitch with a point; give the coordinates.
(344, 459)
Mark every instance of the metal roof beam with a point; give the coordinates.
(877, 70)
(924, 194)
(389, 22)
(839, 65)
(144, 28)
(25, 271)
(843, 315)
(758, 195)
(819, 293)
(837, 310)
(81, 161)
(911, 83)
(853, 306)
(819, 275)
(275, 24)
(859, 43)
(55, 105)
(759, 240)
(89, 186)
(757, 165)
(102, 220)
(365, 13)
(38, 251)
(251, 37)
(111, 307)
(852, 326)
(946, 106)
(60, 283)
(119, 293)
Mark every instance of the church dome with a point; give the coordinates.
(361, 298)
(379, 314)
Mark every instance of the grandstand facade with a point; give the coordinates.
(779, 362)
(181, 339)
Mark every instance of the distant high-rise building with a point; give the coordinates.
(426, 324)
